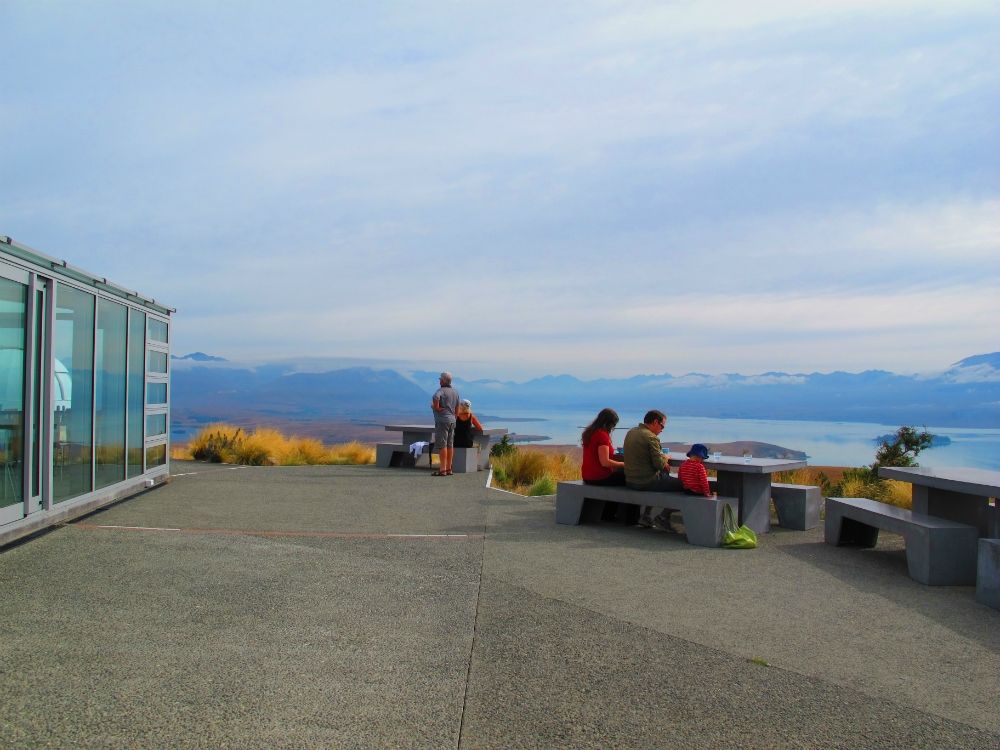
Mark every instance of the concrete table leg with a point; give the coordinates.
(988, 573)
(754, 493)
(755, 502)
(955, 506)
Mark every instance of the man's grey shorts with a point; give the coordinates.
(444, 433)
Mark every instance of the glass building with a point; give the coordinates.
(84, 391)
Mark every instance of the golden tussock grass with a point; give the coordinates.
(528, 472)
(266, 446)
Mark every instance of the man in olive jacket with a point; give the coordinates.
(646, 466)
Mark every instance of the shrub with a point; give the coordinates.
(545, 485)
(503, 448)
(904, 447)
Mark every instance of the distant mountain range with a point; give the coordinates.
(199, 357)
(967, 394)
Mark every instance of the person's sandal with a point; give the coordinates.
(439, 473)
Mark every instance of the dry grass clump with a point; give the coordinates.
(888, 491)
(351, 453)
(529, 472)
(900, 493)
(810, 475)
(848, 482)
(265, 446)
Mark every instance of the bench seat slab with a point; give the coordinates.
(576, 501)
(939, 552)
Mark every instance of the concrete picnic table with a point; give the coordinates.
(957, 494)
(413, 433)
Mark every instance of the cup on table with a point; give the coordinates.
(747, 457)
(716, 455)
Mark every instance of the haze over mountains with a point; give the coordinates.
(967, 394)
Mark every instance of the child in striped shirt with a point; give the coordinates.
(692, 473)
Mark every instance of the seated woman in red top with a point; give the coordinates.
(598, 465)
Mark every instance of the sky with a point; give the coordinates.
(510, 189)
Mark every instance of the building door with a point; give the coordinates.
(13, 340)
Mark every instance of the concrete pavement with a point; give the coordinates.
(349, 607)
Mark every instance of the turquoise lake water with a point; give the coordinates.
(826, 443)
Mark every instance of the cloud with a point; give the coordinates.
(587, 187)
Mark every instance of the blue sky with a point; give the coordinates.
(516, 188)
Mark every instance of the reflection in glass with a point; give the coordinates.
(13, 316)
(156, 393)
(73, 398)
(136, 378)
(156, 456)
(157, 330)
(157, 361)
(156, 424)
(109, 396)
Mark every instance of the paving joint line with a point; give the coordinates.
(475, 623)
(278, 534)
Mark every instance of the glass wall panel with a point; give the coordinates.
(13, 317)
(109, 396)
(156, 424)
(136, 379)
(157, 362)
(157, 330)
(156, 456)
(156, 393)
(73, 375)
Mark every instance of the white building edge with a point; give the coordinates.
(84, 391)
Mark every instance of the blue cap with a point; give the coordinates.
(698, 450)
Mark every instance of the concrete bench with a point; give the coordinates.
(988, 573)
(576, 501)
(466, 460)
(939, 552)
(797, 505)
(397, 454)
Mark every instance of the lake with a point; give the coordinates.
(826, 443)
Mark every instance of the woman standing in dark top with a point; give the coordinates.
(466, 425)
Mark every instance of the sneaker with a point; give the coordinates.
(663, 524)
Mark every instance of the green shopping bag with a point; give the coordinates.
(733, 536)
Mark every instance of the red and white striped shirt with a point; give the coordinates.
(694, 477)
